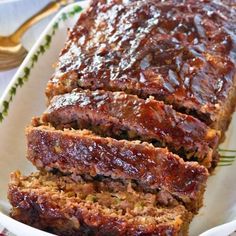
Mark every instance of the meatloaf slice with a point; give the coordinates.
(81, 152)
(62, 206)
(119, 115)
(181, 52)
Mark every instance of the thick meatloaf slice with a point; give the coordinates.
(62, 206)
(81, 152)
(117, 114)
(181, 52)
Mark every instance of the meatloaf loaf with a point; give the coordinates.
(153, 169)
(181, 52)
(141, 88)
(119, 115)
(62, 206)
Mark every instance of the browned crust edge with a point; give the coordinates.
(225, 115)
(43, 213)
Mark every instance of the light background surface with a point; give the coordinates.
(12, 14)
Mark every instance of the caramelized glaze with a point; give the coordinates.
(80, 152)
(149, 120)
(181, 52)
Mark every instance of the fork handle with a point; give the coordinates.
(46, 11)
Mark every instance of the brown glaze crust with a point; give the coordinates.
(44, 210)
(81, 152)
(116, 113)
(181, 52)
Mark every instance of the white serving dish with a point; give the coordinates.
(29, 100)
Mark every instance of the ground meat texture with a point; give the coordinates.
(119, 115)
(58, 205)
(81, 152)
(180, 52)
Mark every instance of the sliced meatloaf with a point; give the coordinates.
(62, 206)
(153, 169)
(119, 115)
(181, 52)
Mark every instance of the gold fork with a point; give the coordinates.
(12, 52)
(227, 157)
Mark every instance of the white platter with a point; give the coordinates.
(24, 98)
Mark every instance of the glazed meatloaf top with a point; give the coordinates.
(116, 113)
(82, 152)
(181, 52)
